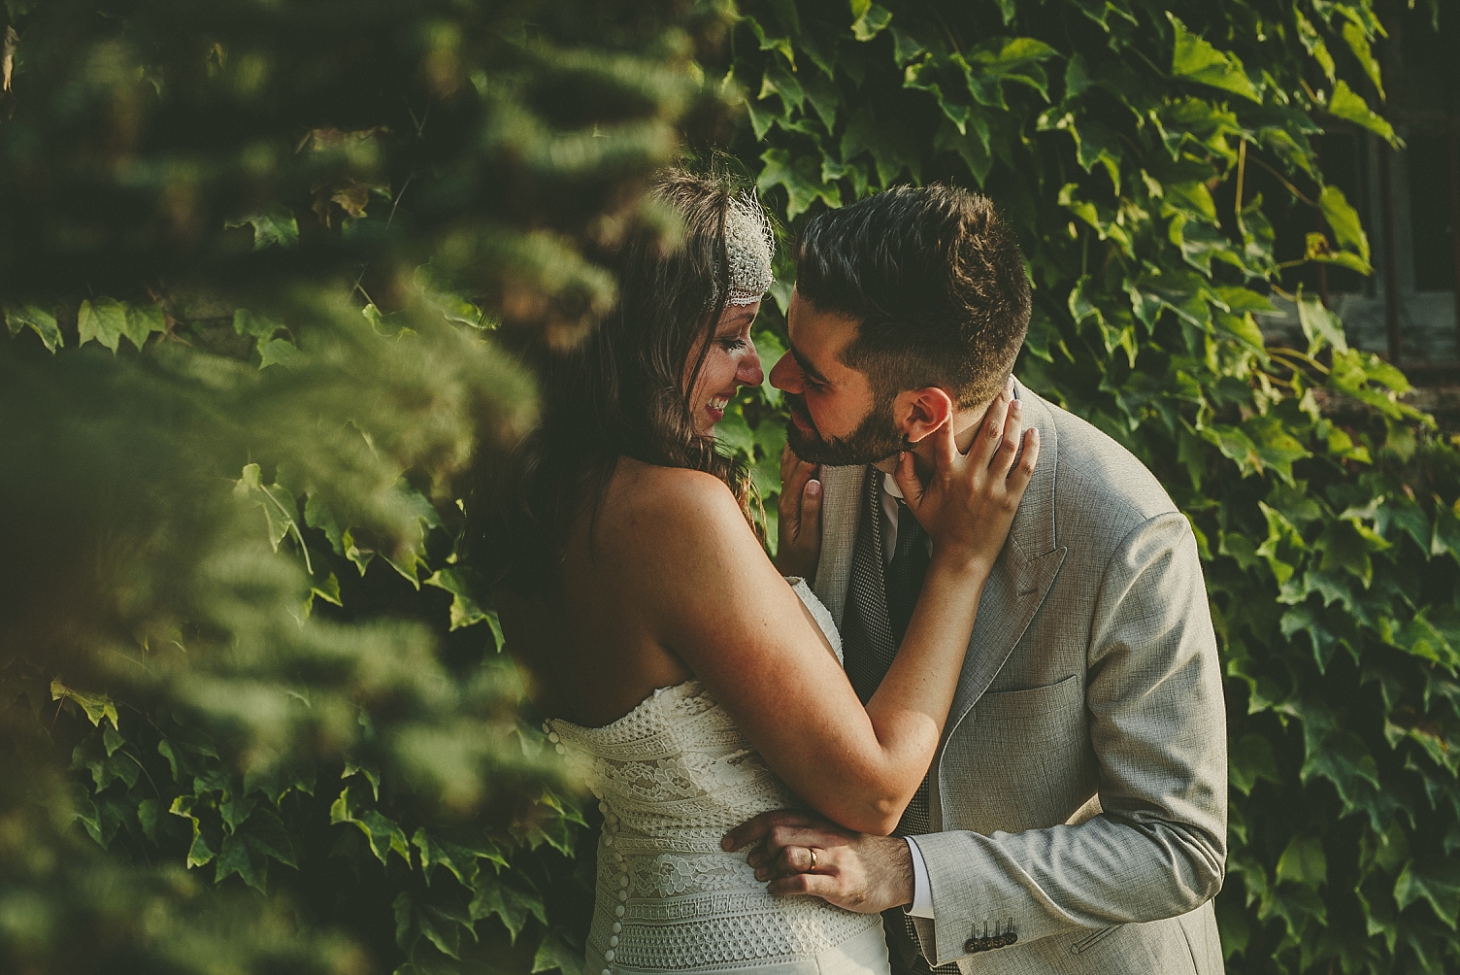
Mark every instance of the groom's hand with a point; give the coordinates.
(798, 544)
(866, 874)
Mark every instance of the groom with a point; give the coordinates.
(1075, 817)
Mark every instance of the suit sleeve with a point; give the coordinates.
(1157, 724)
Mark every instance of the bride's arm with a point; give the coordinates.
(721, 606)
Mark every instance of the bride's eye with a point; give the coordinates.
(733, 344)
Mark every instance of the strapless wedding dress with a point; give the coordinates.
(672, 777)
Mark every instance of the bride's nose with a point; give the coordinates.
(749, 372)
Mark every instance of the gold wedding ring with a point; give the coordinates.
(812, 851)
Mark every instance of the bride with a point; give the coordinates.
(697, 686)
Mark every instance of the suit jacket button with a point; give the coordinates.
(971, 945)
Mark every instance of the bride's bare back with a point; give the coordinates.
(676, 585)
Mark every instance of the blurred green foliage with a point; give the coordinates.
(260, 260)
(255, 260)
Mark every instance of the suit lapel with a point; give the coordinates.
(1022, 576)
(841, 508)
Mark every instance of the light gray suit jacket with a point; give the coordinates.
(1079, 795)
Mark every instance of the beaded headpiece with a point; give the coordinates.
(749, 244)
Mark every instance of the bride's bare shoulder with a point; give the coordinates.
(644, 497)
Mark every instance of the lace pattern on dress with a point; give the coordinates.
(673, 775)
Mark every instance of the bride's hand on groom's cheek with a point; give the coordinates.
(855, 871)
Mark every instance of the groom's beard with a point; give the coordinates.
(874, 439)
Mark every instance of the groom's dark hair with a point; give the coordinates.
(935, 278)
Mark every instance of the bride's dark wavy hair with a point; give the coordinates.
(620, 393)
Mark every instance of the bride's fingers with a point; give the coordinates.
(946, 454)
(907, 480)
(1003, 460)
(1019, 477)
(991, 434)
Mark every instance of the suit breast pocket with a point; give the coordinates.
(1029, 715)
(1019, 760)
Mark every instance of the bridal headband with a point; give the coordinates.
(749, 244)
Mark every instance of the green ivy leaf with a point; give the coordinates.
(147, 813)
(262, 327)
(1343, 759)
(769, 42)
(327, 589)
(1196, 60)
(141, 321)
(1320, 326)
(1347, 104)
(199, 853)
(1314, 45)
(555, 954)
(235, 857)
(103, 320)
(778, 81)
(443, 932)
(1437, 883)
(1344, 220)
(493, 897)
(464, 609)
(461, 861)
(278, 352)
(383, 834)
(38, 320)
(236, 810)
(735, 433)
(1354, 36)
(1302, 862)
(275, 224)
(869, 19)
(1016, 59)
(1445, 540)
(801, 179)
(278, 507)
(96, 706)
(269, 837)
(1250, 759)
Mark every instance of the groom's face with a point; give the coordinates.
(836, 415)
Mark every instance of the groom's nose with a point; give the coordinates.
(786, 375)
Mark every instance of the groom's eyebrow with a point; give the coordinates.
(807, 367)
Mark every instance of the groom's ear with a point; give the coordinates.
(918, 412)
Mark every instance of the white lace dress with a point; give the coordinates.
(673, 776)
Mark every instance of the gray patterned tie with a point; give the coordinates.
(869, 646)
(906, 571)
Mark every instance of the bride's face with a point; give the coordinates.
(730, 363)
